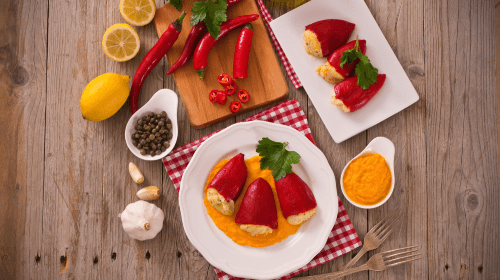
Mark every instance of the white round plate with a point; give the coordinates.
(248, 262)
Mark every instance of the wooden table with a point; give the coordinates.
(64, 180)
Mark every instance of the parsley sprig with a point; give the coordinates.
(275, 157)
(177, 4)
(367, 74)
(212, 12)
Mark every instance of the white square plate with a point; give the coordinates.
(397, 92)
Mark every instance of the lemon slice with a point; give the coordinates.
(138, 12)
(120, 42)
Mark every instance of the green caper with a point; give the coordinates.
(169, 125)
(143, 152)
(158, 152)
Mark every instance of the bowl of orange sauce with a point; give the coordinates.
(367, 181)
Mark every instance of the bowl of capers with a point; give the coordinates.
(152, 131)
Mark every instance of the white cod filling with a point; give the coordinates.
(256, 229)
(219, 202)
(300, 218)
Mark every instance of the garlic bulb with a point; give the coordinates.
(142, 220)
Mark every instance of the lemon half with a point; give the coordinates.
(120, 42)
(138, 12)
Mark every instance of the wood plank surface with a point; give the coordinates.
(462, 170)
(265, 83)
(65, 180)
(402, 25)
(23, 94)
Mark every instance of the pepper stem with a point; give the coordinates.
(248, 26)
(178, 22)
(201, 73)
(147, 226)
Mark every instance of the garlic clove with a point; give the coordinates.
(149, 193)
(135, 173)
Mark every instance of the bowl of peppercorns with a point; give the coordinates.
(152, 131)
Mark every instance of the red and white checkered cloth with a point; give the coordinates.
(289, 70)
(343, 237)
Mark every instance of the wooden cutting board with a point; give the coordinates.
(265, 82)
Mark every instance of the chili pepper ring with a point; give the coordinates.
(151, 59)
(242, 52)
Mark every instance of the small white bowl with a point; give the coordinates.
(383, 147)
(163, 100)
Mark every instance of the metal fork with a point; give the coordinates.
(378, 234)
(378, 262)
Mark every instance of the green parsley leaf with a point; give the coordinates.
(350, 55)
(366, 72)
(275, 157)
(177, 4)
(210, 12)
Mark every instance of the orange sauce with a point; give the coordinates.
(232, 229)
(367, 180)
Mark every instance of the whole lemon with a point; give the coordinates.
(104, 96)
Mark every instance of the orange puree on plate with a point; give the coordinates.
(367, 179)
(227, 224)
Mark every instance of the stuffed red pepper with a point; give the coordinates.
(323, 37)
(349, 97)
(332, 72)
(296, 199)
(227, 185)
(257, 213)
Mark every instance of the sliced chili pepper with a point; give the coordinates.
(221, 97)
(242, 52)
(151, 59)
(200, 58)
(213, 96)
(224, 79)
(193, 38)
(243, 95)
(235, 106)
(231, 88)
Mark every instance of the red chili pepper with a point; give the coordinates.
(207, 42)
(242, 52)
(221, 97)
(213, 96)
(243, 95)
(231, 88)
(224, 79)
(152, 58)
(193, 38)
(235, 106)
